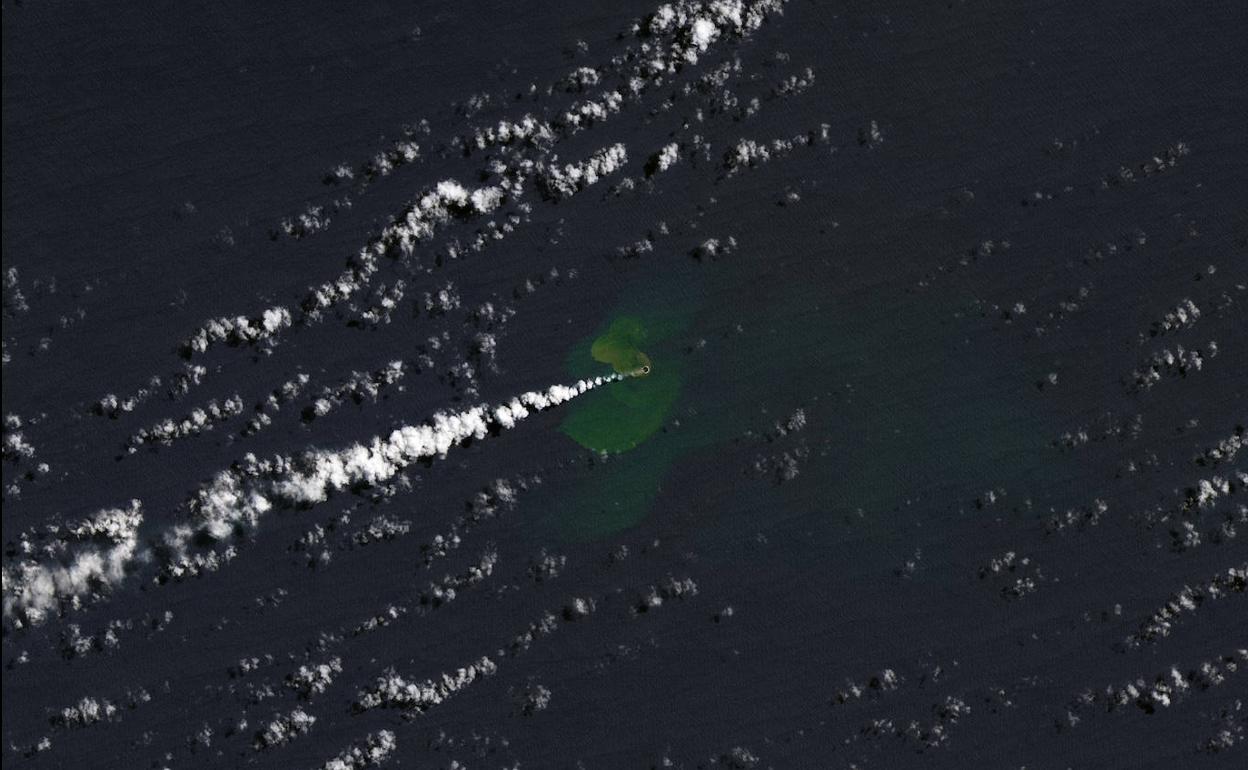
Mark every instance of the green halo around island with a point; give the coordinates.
(622, 416)
(627, 421)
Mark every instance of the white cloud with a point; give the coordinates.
(566, 181)
(283, 729)
(375, 749)
(199, 420)
(239, 330)
(35, 588)
(240, 496)
(393, 691)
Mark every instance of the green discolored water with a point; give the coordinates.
(619, 494)
(620, 347)
(625, 420)
(621, 416)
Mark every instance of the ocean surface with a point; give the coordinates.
(746, 384)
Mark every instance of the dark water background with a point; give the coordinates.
(871, 302)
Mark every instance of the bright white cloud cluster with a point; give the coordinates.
(198, 421)
(384, 300)
(446, 201)
(14, 300)
(1188, 600)
(748, 153)
(88, 710)
(670, 38)
(886, 680)
(1225, 450)
(1178, 362)
(17, 447)
(1182, 316)
(314, 680)
(528, 130)
(359, 386)
(359, 271)
(283, 729)
(312, 220)
(1166, 688)
(87, 557)
(664, 159)
(113, 406)
(239, 330)
(565, 181)
(696, 25)
(401, 153)
(240, 496)
(581, 79)
(445, 590)
(319, 473)
(393, 691)
(713, 248)
(283, 394)
(375, 749)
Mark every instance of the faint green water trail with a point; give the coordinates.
(902, 409)
(625, 421)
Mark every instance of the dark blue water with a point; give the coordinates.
(953, 478)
